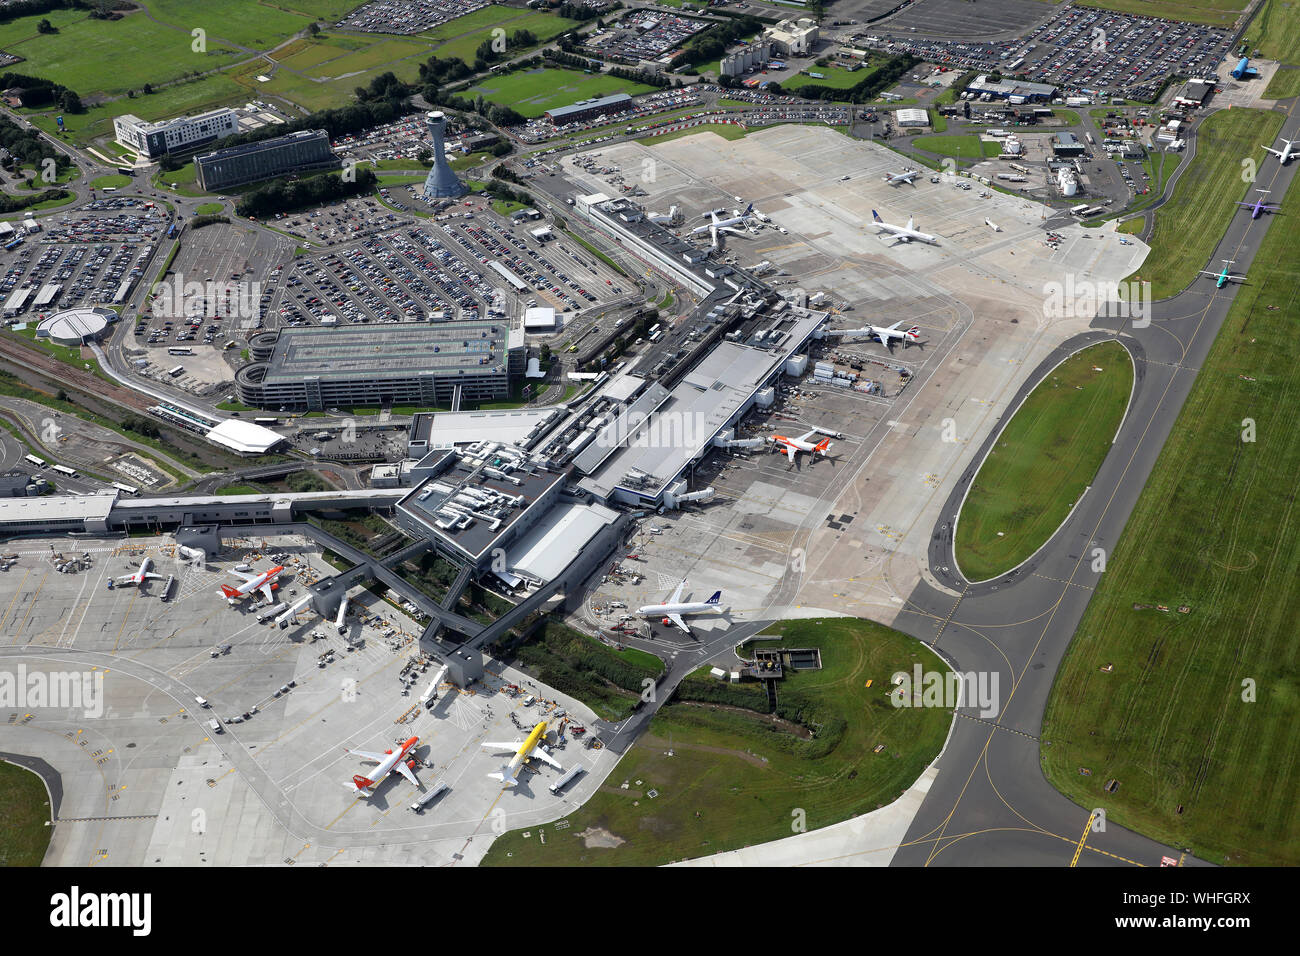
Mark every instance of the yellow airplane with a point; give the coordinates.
(524, 751)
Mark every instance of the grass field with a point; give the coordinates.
(208, 209)
(1042, 461)
(533, 92)
(739, 778)
(1188, 227)
(115, 180)
(836, 77)
(963, 146)
(1275, 32)
(1220, 13)
(1284, 85)
(463, 36)
(725, 130)
(105, 56)
(1215, 531)
(24, 811)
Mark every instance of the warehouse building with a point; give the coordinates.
(1025, 91)
(590, 109)
(307, 150)
(425, 364)
(1067, 144)
(183, 134)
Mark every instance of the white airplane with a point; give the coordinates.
(894, 179)
(139, 577)
(388, 761)
(723, 225)
(901, 233)
(673, 610)
(264, 582)
(885, 335)
(524, 751)
(790, 447)
(1286, 152)
(992, 225)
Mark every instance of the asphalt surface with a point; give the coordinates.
(991, 803)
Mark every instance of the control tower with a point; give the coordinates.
(441, 183)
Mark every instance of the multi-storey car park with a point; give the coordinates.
(415, 364)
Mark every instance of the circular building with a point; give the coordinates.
(74, 327)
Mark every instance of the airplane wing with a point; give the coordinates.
(677, 619)
(677, 595)
(500, 745)
(808, 435)
(153, 577)
(367, 755)
(791, 452)
(541, 754)
(1275, 152)
(243, 575)
(405, 771)
(266, 592)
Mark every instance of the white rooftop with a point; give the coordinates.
(554, 543)
(244, 437)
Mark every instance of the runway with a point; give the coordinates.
(990, 803)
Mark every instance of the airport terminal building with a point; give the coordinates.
(305, 151)
(314, 369)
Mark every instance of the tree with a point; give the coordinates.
(313, 29)
(148, 89)
(45, 26)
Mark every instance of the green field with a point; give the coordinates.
(1284, 85)
(1221, 13)
(1275, 31)
(836, 77)
(1042, 461)
(1188, 227)
(1213, 532)
(107, 56)
(463, 36)
(962, 146)
(24, 811)
(533, 92)
(113, 180)
(739, 778)
(725, 130)
(209, 209)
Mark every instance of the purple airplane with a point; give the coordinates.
(1259, 206)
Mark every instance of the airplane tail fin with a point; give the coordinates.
(911, 224)
(914, 332)
(823, 446)
(876, 216)
(749, 209)
(229, 592)
(360, 784)
(505, 776)
(717, 596)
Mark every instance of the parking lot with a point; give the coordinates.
(407, 16)
(1080, 50)
(80, 260)
(643, 34)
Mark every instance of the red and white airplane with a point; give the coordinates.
(139, 577)
(264, 582)
(387, 761)
(790, 447)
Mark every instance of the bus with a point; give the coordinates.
(179, 350)
(33, 460)
(126, 489)
(14, 243)
(171, 233)
(65, 470)
(124, 171)
(109, 189)
(266, 422)
(178, 370)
